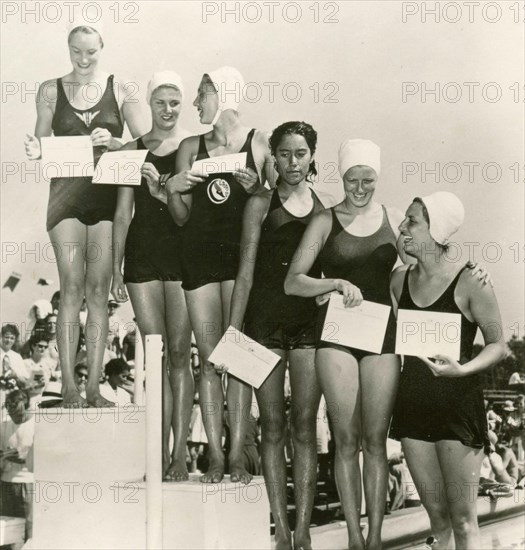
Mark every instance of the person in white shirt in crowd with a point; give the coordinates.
(16, 459)
(14, 373)
(117, 388)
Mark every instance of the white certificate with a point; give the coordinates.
(216, 165)
(120, 167)
(362, 327)
(67, 156)
(427, 333)
(245, 358)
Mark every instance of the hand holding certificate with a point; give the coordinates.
(362, 327)
(221, 164)
(67, 156)
(120, 167)
(428, 333)
(244, 358)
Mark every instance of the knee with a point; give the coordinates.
(374, 444)
(179, 355)
(347, 444)
(71, 291)
(274, 432)
(464, 524)
(304, 428)
(97, 293)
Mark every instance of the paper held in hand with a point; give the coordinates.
(427, 333)
(245, 358)
(67, 156)
(362, 327)
(120, 167)
(221, 164)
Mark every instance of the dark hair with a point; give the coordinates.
(16, 395)
(35, 339)
(116, 366)
(9, 327)
(301, 129)
(86, 29)
(50, 315)
(79, 366)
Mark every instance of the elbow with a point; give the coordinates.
(180, 222)
(289, 285)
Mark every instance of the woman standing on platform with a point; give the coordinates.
(79, 214)
(149, 241)
(211, 209)
(440, 414)
(274, 222)
(356, 246)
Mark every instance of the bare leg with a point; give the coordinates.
(423, 462)
(306, 395)
(239, 399)
(98, 281)
(205, 311)
(460, 466)
(338, 374)
(270, 399)
(180, 376)
(379, 378)
(71, 271)
(148, 303)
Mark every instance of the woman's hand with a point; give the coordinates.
(219, 369)
(322, 298)
(247, 177)
(103, 138)
(184, 182)
(479, 270)
(152, 177)
(32, 146)
(443, 365)
(351, 294)
(118, 288)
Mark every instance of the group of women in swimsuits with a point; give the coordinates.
(202, 252)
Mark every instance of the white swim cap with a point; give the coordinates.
(446, 214)
(80, 21)
(164, 78)
(359, 152)
(228, 83)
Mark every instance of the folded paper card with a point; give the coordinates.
(67, 156)
(120, 167)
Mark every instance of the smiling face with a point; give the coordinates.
(415, 230)
(359, 184)
(207, 101)
(293, 158)
(84, 51)
(39, 349)
(165, 106)
(8, 340)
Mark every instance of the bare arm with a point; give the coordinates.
(254, 214)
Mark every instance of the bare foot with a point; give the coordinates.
(94, 399)
(374, 544)
(73, 400)
(238, 473)
(283, 541)
(356, 542)
(178, 470)
(165, 464)
(215, 472)
(302, 541)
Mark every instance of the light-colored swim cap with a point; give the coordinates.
(446, 214)
(359, 152)
(80, 21)
(164, 78)
(228, 83)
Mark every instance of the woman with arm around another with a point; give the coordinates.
(211, 209)
(80, 214)
(439, 413)
(149, 242)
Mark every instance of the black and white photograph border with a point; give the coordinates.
(439, 86)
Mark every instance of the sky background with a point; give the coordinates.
(351, 73)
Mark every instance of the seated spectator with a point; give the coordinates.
(117, 387)
(517, 381)
(494, 421)
(52, 395)
(51, 333)
(38, 312)
(55, 301)
(252, 459)
(16, 460)
(80, 374)
(14, 374)
(500, 465)
(108, 356)
(511, 425)
(401, 488)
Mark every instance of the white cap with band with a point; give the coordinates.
(359, 152)
(80, 21)
(446, 214)
(229, 84)
(164, 78)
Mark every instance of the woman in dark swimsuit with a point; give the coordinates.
(439, 414)
(274, 222)
(211, 210)
(150, 245)
(80, 214)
